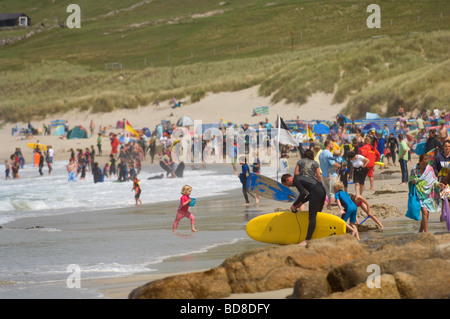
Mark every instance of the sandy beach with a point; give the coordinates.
(238, 108)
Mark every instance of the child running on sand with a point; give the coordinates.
(347, 207)
(137, 189)
(183, 208)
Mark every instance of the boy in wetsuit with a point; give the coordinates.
(137, 189)
(347, 208)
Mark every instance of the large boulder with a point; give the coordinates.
(419, 264)
(201, 285)
(406, 266)
(257, 270)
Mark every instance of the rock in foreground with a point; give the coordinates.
(410, 266)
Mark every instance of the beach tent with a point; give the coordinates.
(77, 132)
(59, 130)
(321, 128)
(262, 110)
(185, 121)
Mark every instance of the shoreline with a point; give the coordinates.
(119, 287)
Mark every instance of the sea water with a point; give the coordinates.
(53, 229)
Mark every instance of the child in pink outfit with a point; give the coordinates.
(183, 208)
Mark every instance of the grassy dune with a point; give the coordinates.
(190, 47)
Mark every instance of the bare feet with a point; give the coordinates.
(303, 243)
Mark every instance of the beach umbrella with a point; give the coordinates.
(185, 121)
(321, 128)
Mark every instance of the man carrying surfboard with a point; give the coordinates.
(316, 198)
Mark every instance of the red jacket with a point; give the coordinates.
(371, 153)
(114, 145)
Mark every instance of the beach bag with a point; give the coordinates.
(414, 206)
(446, 212)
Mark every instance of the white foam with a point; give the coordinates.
(33, 195)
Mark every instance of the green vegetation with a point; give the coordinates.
(190, 47)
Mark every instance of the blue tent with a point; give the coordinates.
(321, 128)
(77, 132)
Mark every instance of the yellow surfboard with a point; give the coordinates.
(379, 163)
(42, 147)
(286, 228)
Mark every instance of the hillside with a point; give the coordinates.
(190, 47)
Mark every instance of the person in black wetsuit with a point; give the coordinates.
(243, 178)
(316, 198)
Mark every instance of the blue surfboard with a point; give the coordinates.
(269, 188)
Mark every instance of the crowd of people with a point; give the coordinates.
(346, 156)
(323, 174)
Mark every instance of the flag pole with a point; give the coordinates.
(278, 144)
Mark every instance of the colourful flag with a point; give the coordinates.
(129, 128)
(309, 132)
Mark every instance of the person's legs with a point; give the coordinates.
(366, 209)
(424, 222)
(244, 191)
(404, 169)
(192, 218)
(316, 202)
(177, 220)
